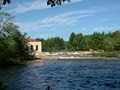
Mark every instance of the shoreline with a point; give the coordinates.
(72, 57)
(80, 55)
(59, 58)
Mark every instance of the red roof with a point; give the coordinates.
(32, 40)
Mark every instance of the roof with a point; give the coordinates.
(32, 40)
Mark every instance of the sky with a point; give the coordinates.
(79, 16)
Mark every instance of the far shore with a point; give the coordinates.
(57, 57)
(80, 55)
(71, 55)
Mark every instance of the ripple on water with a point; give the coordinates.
(64, 75)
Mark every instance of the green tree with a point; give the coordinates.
(108, 44)
(53, 44)
(68, 46)
(12, 41)
(78, 42)
(87, 42)
(116, 35)
(71, 40)
(97, 41)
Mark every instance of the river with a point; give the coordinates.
(83, 74)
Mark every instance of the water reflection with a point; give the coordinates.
(64, 75)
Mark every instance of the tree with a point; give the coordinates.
(53, 44)
(6, 1)
(68, 46)
(97, 41)
(56, 2)
(71, 40)
(78, 42)
(12, 41)
(49, 2)
(108, 44)
(116, 36)
(87, 42)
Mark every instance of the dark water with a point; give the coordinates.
(64, 75)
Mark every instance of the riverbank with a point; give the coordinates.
(61, 57)
(80, 55)
(69, 55)
(107, 54)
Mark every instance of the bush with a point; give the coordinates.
(106, 54)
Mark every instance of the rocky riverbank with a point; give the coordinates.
(61, 57)
(80, 55)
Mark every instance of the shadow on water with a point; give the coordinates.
(48, 88)
(3, 87)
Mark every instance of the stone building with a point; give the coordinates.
(35, 48)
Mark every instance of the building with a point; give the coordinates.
(35, 48)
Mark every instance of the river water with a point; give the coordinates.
(84, 74)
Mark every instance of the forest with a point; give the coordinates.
(97, 41)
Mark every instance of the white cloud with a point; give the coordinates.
(101, 29)
(29, 6)
(33, 5)
(64, 19)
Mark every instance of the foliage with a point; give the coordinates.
(76, 42)
(97, 41)
(53, 44)
(49, 2)
(56, 2)
(71, 44)
(6, 1)
(106, 54)
(79, 42)
(12, 42)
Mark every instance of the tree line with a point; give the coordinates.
(78, 42)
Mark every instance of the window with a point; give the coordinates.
(31, 47)
(36, 47)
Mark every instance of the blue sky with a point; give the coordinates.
(79, 16)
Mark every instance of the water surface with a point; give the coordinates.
(84, 74)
